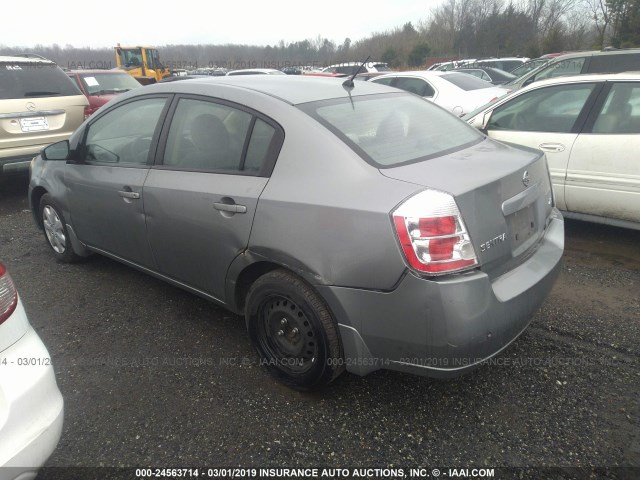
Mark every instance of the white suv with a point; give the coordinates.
(31, 406)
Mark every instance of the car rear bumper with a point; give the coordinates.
(31, 407)
(447, 326)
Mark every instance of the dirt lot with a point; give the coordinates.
(154, 376)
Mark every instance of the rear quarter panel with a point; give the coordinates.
(326, 211)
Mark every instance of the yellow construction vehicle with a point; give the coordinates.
(143, 63)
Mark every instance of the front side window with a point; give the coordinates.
(550, 109)
(130, 57)
(393, 129)
(621, 110)
(124, 134)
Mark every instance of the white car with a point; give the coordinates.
(457, 92)
(589, 127)
(31, 406)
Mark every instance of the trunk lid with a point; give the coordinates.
(503, 193)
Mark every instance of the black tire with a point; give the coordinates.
(293, 331)
(55, 230)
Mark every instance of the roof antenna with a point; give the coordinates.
(349, 82)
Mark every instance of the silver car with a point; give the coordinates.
(354, 227)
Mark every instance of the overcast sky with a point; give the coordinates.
(258, 22)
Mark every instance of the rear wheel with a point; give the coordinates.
(293, 331)
(55, 230)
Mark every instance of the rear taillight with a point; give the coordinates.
(432, 234)
(8, 294)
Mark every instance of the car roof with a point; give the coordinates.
(599, 77)
(591, 53)
(13, 59)
(292, 89)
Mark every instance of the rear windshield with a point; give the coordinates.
(103, 83)
(33, 79)
(393, 129)
(465, 81)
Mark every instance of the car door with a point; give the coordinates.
(201, 196)
(549, 119)
(105, 180)
(603, 177)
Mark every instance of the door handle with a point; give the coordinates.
(131, 195)
(551, 147)
(232, 208)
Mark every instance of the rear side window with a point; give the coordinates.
(620, 113)
(394, 129)
(465, 81)
(384, 81)
(206, 136)
(34, 79)
(215, 137)
(415, 85)
(614, 63)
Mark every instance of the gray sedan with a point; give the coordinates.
(354, 227)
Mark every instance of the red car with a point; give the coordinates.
(100, 86)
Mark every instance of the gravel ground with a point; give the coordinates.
(154, 376)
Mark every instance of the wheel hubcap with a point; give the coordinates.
(286, 335)
(54, 229)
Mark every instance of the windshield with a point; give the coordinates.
(465, 82)
(130, 57)
(393, 129)
(34, 79)
(101, 83)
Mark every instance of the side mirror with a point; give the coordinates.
(57, 151)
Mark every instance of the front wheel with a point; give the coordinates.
(55, 230)
(293, 331)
